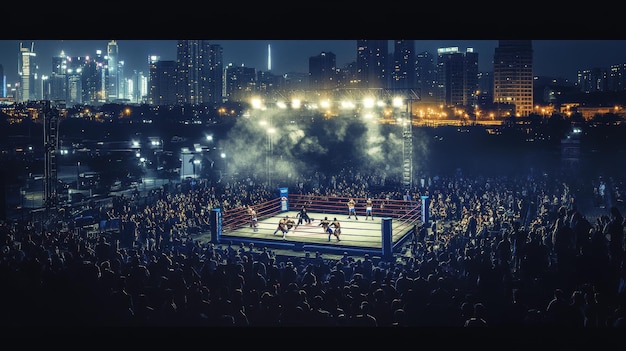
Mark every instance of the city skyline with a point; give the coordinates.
(553, 58)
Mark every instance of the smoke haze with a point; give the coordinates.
(300, 145)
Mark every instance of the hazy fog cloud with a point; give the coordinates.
(300, 147)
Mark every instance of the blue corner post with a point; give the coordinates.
(387, 238)
(425, 211)
(216, 225)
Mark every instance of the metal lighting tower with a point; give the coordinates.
(407, 141)
(407, 151)
(51, 145)
(270, 153)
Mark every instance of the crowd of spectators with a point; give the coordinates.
(497, 251)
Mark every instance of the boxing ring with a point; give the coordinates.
(392, 223)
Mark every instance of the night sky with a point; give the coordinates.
(555, 58)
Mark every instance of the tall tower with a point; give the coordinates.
(323, 71)
(191, 58)
(470, 76)
(27, 70)
(457, 76)
(122, 90)
(269, 57)
(199, 72)
(94, 79)
(403, 71)
(154, 85)
(616, 79)
(138, 88)
(58, 79)
(240, 82)
(114, 78)
(371, 61)
(74, 74)
(162, 82)
(215, 82)
(592, 80)
(3, 81)
(513, 75)
(426, 76)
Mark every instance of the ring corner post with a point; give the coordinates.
(284, 199)
(216, 225)
(425, 212)
(387, 239)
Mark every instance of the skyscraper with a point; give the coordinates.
(513, 75)
(94, 79)
(485, 89)
(616, 80)
(426, 76)
(138, 87)
(240, 82)
(215, 82)
(3, 81)
(162, 82)
(90, 81)
(27, 70)
(74, 80)
(323, 71)
(470, 95)
(154, 85)
(403, 73)
(371, 62)
(58, 79)
(592, 80)
(189, 63)
(457, 76)
(199, 72)
(114, 78)
(122, 90)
